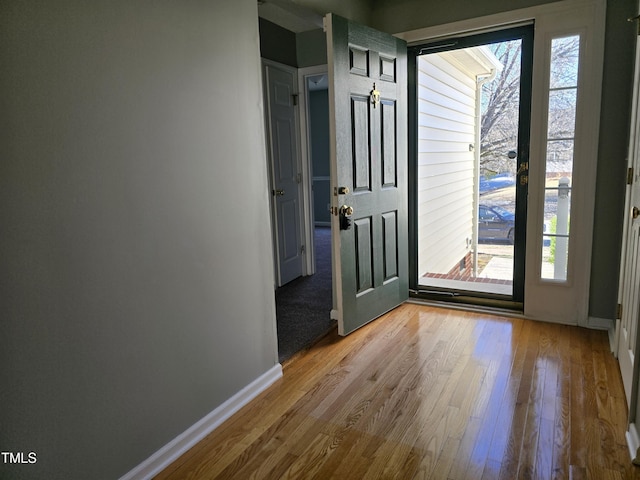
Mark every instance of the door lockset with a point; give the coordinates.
(345, 213)
(346, 210)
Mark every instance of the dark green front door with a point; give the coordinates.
(368, 108)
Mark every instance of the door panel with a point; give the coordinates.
(368, 171)
(285, 172)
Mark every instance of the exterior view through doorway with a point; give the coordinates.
(472, 121)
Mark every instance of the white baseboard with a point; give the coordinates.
(187, 439)
(600, 323)
(633, 442)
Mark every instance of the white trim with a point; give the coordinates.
(490, 22)
(597, 323)
(305, 158)
(614, 338)
(633, 442)
(203, 427)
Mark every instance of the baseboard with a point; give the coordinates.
(633, 442)
(600, 323)
(186, 440)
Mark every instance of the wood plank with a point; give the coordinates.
(431, 393)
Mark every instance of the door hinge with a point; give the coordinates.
(295, 98)
(619, 312)
(629, 175)
(299, 178)
(302, 249)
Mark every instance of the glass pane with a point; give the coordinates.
(563, 95)
(564, 62)
(555, 245)
(562, 113)
(467, 143)
(559, 158)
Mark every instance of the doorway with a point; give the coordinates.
(472, 98)
(303, 305)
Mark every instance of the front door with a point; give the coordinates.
(630, 284)
(286, 177)
(368, 118)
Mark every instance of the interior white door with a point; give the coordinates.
(286, 177)
(630, 286)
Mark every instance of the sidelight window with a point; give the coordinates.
(560, 144)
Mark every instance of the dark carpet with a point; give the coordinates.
(303, 306)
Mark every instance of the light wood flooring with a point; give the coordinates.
(425, 392)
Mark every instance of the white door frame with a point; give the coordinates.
(305, 157)
(561, 302)
(629, 362)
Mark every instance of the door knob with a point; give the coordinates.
(346, 210)
(635, 213)
(277, 192)
(345, 213)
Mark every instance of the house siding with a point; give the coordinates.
(446, 129)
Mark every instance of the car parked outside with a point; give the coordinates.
(495, 225)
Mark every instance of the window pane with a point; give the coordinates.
(564, 62)
(555, 245)
(562, 113)
(559, 158)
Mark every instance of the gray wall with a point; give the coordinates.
(403, 15)
(277, 43)
(133, 187)
(311, 48)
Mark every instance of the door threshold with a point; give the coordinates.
(472, 304)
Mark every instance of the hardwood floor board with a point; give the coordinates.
(468, 384)
(619, 417)
(269, 462)
(593, 440)
(389, 462)
(513, 449)
(550, 387)
(443, 463)
(311, 460)
(544, 450)
(431, 393)
(463, 454)
(349, 459)
(491, 470)
(533, 422)
(578, 457)
(577, 473)
(562, 439)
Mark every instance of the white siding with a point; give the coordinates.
(446, 130)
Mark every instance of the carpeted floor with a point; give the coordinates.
(303, 306)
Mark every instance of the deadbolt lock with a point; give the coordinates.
(343, 190)
(635, 213)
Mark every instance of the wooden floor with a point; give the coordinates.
(432, 393)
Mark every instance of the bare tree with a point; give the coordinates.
(501, 99)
